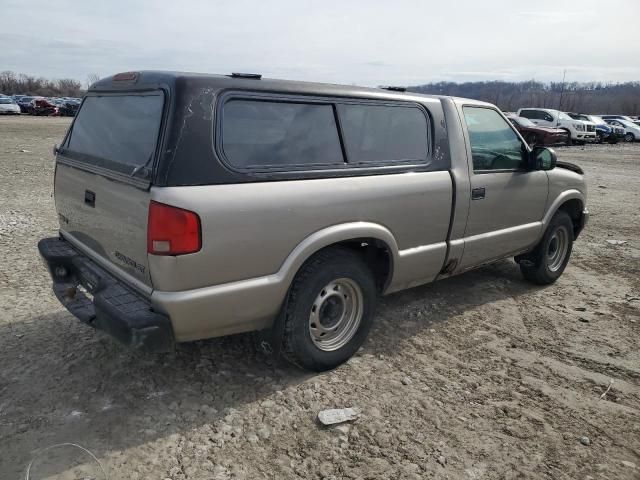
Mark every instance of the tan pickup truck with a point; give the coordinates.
(195, 206)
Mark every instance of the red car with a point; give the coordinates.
(537, 135)
(42, 106)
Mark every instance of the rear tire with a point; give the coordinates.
(547, 261)
(329, 310)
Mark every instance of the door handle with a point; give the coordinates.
(477, 193)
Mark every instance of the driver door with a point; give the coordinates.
(507, 199)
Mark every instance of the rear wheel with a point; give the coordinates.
(329, 310)
(547, 261)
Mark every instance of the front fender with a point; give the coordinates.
(560, 199)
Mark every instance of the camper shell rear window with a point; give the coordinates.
(117, 131)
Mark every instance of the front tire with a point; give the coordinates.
(629, 137)
(329, 310)
(547, 261)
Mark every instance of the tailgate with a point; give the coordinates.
(102, 179)
(105, 216)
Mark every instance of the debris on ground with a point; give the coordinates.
(335, 416)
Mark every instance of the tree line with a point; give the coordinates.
(582, 97)
(19, 83)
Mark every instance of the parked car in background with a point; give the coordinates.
(69, 107)
(43, 107)
(538, 135)
(25, 104)
(8, 106)
(604, 132)
(171, 218)
(631, 130)
(579, 130)
(616, 117)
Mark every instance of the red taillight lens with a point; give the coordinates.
(172, 230)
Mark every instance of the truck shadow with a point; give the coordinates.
(64, 382)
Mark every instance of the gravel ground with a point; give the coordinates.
(482, 376)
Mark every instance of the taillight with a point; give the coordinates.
(172, 230)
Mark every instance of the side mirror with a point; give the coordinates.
(56, 150)
(543, 158)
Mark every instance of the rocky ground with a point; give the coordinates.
(482, 376)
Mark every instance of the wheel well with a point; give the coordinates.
(376, 254)
(574, 208)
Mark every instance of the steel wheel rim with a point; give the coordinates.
(557, 249)
(336, 314)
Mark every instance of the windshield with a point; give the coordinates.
(563, 116)
(5, 100)
(118, 132)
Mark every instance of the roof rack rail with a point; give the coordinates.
(395, 88)
(255, 76)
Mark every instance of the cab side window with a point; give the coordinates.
(530, 114)
(494, 144)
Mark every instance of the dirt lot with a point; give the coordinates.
(482, 376)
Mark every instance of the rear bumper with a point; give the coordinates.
(555, 139)
(108, 304)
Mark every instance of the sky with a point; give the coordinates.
(393, 42)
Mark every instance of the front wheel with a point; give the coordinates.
(329, 310)
(547, 261)
(629, 137)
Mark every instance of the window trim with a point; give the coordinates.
(470, 152)
(362, 168)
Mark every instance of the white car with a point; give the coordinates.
(8, 106)
(631, 130)
(580, 131)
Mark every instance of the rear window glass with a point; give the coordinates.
(121, 129)
(259, 134)
(379, 133)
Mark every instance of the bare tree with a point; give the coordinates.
(587, 97)
(91, 79)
